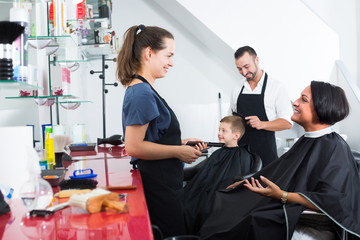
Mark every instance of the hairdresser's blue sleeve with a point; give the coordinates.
(141, 106)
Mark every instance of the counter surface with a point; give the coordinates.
(74, 223)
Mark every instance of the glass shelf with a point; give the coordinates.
(60, 40)
(70, 61)
(12, 1)
(89, 20)
(67, 50)
(49, 37)
(18, 85)
(72, 104)
(92, 51)
(51, 41)
(74, 101)
(41, 97)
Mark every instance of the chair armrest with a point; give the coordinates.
(257, 165)
(190, 172)
(243, 177)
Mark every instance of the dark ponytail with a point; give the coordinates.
(136, 39)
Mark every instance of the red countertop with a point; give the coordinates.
(113, 169)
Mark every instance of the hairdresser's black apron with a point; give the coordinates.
(162, 181)
(261, 142)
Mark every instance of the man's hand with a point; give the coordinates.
(255, 122)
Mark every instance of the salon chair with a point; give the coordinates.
(320, 221)
(189, 172)
(158, 235)
(256, 166)
(319, 226)
(356, 155)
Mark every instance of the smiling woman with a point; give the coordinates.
(319, 172)
(151, 129)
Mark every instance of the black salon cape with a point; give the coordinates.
(321, 169)
(217, 173)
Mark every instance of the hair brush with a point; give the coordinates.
(10, 31)
(89, 184)
(78, 184)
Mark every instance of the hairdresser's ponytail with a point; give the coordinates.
(127, 65)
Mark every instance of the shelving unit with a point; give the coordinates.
(63, 51)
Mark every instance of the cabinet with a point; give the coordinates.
(71, 49)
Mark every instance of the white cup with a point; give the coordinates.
(78, 133)
(59, 130)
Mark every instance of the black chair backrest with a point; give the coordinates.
(356, 155)
(256, 166)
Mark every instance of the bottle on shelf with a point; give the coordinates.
(103, 33)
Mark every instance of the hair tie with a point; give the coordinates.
(140, 28)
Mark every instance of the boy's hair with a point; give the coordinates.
(237, 123)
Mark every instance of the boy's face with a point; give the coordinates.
(226, 136)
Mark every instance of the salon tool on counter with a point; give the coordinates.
(83, 174)
(9, 32)
(81, 179)
(69, 187)
(209, 144)
(82, 147)
(84, 180)
(69, 192)
(49, 211)
(98, 199)
(90, 184)
(78, 184)
(53, 176)
(60, 142)
(113, 140)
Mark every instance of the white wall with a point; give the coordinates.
(191, 88)
(343, 18)
(293, 45)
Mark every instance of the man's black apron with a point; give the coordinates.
(261, 142)
(162, 181)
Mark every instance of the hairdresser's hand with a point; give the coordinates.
(188, 154)
(272, 190)
(234, 184)
(200, 146)
(254, 122)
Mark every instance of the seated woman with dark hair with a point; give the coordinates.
(318, 173)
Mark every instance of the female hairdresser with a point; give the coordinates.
(151, 129)
(319, 172)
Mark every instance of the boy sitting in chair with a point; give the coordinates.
(216, 172)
